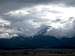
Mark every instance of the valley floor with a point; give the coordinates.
(38, 52)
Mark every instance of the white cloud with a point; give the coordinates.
(29, 20)
(5, 29)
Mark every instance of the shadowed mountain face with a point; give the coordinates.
(36, 42)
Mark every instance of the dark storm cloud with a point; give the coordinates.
(28, 1)
(7, 5)
(68, 2)
(38, 1)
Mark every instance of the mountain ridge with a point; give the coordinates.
(37, 42)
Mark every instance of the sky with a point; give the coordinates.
(28, 17)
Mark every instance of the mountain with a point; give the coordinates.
(37, 42)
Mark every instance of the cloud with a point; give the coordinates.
(8, 5)
(28, 16)
(5, 29)
(29, 20)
